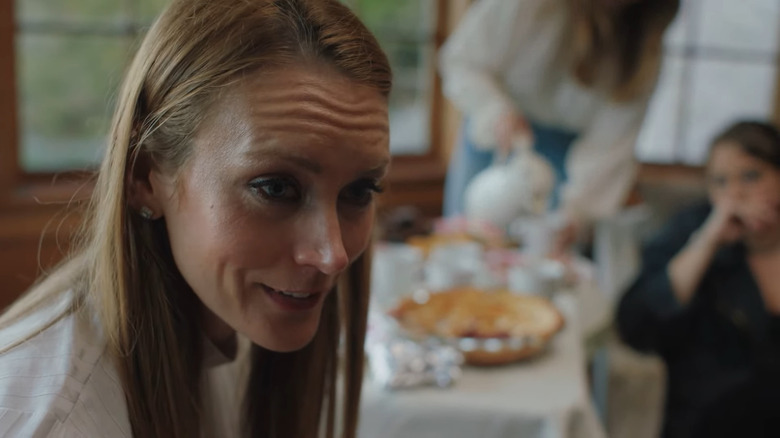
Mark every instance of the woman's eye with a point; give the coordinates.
(751, 176)
(275, 189)
(361, 193)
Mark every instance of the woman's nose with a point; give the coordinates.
(321, 243)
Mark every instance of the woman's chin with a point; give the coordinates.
(287, 347)
(284, 341)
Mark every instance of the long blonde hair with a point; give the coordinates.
(124, 270)
(620, 50)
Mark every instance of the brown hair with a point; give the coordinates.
(618, 49)
(756, 138)
(124, 269)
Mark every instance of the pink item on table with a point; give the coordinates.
(459, 224)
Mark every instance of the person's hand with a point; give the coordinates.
(724, 225)
(509, 125)
(731, 220)
(565, 237)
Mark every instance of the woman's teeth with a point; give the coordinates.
(297, 295)
(294, 295)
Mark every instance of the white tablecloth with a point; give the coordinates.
(545, 397)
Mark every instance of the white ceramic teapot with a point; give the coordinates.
(510, 189)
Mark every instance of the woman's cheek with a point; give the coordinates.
(769, 193)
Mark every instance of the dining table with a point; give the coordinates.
(546, 396)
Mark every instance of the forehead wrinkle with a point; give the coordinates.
(321, 112)
(284, 132)
(352, 103)
(281, 107)
(316, 84)
(366, 132)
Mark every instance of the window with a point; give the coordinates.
(720, 65)
(406, 31)
(70, 57)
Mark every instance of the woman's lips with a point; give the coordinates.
(293, 300)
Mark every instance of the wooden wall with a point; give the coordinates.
(30, 241)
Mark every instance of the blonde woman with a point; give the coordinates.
(574, 74)
(235, 202)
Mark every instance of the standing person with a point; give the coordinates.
(707, 299)
(234, 203)
(576, 75)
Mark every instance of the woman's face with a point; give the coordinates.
(276, 201)
(740, 179)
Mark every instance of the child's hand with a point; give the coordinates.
(724, 225)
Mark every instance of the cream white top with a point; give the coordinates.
(61, 383)
(506, 55)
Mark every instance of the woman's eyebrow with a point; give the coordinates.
(379, 170)
(306, 163)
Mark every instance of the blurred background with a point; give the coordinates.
(60, 62)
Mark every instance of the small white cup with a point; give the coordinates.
(523, 280)
(440, 275)
(462, 254)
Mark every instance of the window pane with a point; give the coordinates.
(71, 56)
(410, 99)
(405, 29)
(65, 88)
(724, 69)
(70, 11)
(658, 138)
(398, 18)
(749, 25)
(149, 9)
(723, 91)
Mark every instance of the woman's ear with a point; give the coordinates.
(146, 188)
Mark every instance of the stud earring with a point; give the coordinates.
(146, 212)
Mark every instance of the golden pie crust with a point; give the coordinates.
(428, 242)
(473, 313)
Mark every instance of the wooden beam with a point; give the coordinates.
(9, 162)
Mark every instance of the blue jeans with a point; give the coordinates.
(467, 161)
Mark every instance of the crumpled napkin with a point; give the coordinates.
(397, 362)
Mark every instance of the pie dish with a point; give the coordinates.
(489, 327)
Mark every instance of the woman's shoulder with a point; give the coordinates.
(56, 378)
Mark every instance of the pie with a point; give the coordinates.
(469, 312)
(427, 243)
